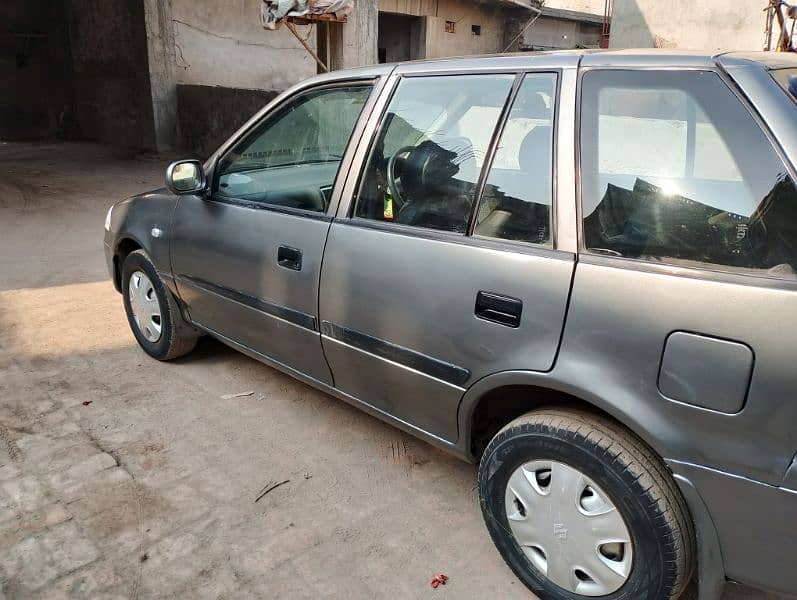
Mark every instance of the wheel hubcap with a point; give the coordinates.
(568, 528)
(145, 306)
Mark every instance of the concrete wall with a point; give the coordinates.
(561, 34)
(595, 7)
(223, 43)
(357, 39)
(209, 115)
(111, 72)
(35, 69)
(736, 25)
(162, 78)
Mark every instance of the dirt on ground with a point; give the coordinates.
(123, 477)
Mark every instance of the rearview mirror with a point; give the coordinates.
(185, 177)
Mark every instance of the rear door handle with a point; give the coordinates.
(499, 309)
(289, 258)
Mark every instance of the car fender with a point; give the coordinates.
(146, 221)
(711, 571)
(552, 381)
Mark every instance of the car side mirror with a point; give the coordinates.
(186, 177)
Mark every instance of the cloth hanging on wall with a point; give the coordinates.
(273, 12)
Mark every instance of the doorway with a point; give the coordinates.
(401, 37)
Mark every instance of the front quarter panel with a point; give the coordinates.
(146, 220)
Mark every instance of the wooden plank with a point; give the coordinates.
(292, 28)
(310, 18)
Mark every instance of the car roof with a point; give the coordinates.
(629, 58)
(769, 60)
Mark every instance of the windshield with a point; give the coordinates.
(787, 78)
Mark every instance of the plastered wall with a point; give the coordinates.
(687, 24)
(223, 44)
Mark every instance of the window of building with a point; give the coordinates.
(516, 204)
(291, 159)
(674, 168)
(451, 27)
(425, 163)
(476, 29)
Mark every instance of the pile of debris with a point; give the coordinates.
(274, 12)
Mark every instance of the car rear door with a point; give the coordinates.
(456, 269)
(247, 256)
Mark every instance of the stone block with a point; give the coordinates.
(37, 560)
(82, 471)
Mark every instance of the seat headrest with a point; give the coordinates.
(531, 106)
(535, 151)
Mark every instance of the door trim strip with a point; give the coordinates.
(427, 365)
(275, 310)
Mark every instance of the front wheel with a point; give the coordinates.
(152, 311)
(579, 507)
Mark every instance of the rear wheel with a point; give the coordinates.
(152, 311)
(579, 507)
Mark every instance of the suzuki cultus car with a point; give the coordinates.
(577, 269)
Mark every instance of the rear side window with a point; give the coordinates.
(516, 204)
(674, 168)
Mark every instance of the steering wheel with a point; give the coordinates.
(392, 184)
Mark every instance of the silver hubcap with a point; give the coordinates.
(145, 306)
(568, 528)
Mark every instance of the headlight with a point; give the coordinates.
(108, 219)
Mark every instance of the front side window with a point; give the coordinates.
(675, 168)
(425, 163)
(516, 204)
(291, 159)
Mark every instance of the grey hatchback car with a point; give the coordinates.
(577, 269)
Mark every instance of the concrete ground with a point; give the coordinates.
(122, 477)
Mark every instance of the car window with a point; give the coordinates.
(425, 163)
(291, 159)
(516, 204)
(675, 168)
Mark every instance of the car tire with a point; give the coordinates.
(167, 337)
(656, 558)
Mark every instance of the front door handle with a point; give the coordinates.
(289, 258)
(499, 309)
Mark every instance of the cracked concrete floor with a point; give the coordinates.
(122, 477)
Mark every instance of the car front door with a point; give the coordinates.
(445, 267)
(246, 257)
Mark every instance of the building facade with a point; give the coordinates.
(184, 74)
(563, 29)
(418, 29)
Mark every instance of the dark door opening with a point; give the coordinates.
(401, 37)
